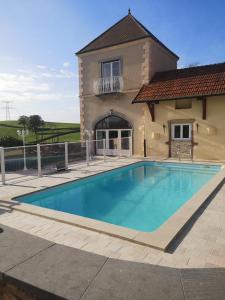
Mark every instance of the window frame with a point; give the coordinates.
(181, 138)
(111, 67)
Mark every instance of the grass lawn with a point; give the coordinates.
(9, 128)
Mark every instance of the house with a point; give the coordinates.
(130, 87)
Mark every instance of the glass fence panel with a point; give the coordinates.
(96, 148)
(24, 160)
(76, 152)
(99, 144)
(53, 156)
(125, 143)
(20, 158)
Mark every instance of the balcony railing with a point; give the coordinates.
(108, 85)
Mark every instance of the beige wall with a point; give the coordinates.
(131, 57)
(136, 64)
(160, 59)
(133, 72)
(211, 132)
(96, 109)
(140, 59)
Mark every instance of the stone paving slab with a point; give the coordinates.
(53, 271)
(203, 284)
(59, 270)
(16, 247)
(120, 280)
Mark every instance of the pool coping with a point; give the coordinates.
(159, 239)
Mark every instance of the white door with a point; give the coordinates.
(112, 143)
(100, 136)
(126, 145)
(117, 142)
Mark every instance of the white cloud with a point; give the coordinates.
(33, 87)
(46, 74)
(13, 83)
(25, 71)
(42, 67)
(65, 74)
(66, 64)
(60, 74)
(43, 90)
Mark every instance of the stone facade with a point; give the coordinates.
(140, 60)
(181, 149)
(208, 135)
(138, 64)
(11, 292)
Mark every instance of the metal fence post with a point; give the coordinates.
(66, 155)
(130, 145)
(87, 152)
(119, 146)
(2, 153)
(104, 146)
(39, 159)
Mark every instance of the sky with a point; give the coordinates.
(38, 39)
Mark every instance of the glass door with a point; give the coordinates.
(112, 142)
(117, 141)
(110, 76)
(125, 141)
(100, 135)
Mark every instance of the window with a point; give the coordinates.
(183, 104)
(181, 131)
(113, 122)
(111, 69)
(110, 81)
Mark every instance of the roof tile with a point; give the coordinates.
(184, 83)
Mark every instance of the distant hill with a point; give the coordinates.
(52, 132)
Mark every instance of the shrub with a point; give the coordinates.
(10, 141)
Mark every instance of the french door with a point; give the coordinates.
(117, 141)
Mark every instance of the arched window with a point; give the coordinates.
(113, 122)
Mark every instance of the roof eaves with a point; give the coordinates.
(135, 101)
(135, 98)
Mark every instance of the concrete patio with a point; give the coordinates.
(66, 273)
(194, 265)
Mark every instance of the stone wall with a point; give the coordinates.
(11, 292)
(181, 149)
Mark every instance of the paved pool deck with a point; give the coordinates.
(202, 245)
(48, 270)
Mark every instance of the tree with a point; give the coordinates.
(34, 123)
(23, 120)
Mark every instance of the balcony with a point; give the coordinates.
(108, 85)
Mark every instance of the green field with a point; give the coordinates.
(51, 132)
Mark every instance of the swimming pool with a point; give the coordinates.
(141, 196)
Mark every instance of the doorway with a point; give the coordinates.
(117, 133)
(117, 141)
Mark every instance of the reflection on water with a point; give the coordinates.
(141, 196)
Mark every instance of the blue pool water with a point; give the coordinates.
(141, 196)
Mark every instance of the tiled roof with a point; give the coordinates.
(184, 83)
(126, 30)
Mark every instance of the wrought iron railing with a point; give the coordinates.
(108, 85)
